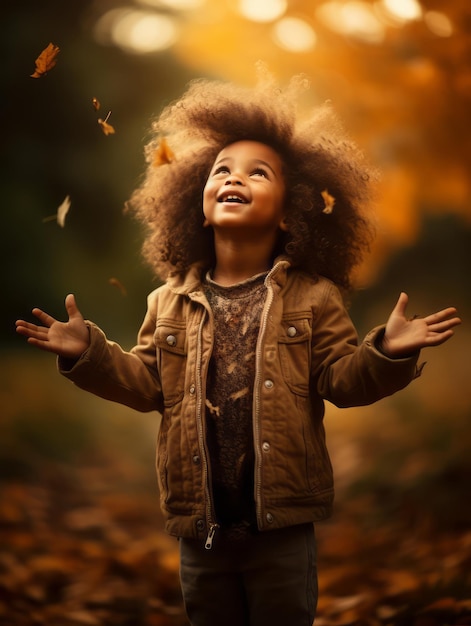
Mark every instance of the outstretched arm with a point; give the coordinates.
(404, 336)
(66, 339)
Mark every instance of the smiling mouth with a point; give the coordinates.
(232, 198)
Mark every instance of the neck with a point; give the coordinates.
(237, 261)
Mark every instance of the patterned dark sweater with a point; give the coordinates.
(237, 310)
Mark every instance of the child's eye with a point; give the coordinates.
(221, 169)
(259, 171)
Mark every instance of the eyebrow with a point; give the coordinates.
(258, 161)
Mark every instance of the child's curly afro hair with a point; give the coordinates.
(317, 156)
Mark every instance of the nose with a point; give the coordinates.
(233, 179)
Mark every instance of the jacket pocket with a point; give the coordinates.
(171, 349)
(294, 342)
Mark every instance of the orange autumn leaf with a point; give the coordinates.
(96, 104)
(329, 202)
(163, 153)
(115, 282)
(46, 60)
(105, 127)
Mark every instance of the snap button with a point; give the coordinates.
(269, 518)
(292, 331)
(268, 383)
(192, 389)
(200, 524)
(196, 459)
(265, 446)
(172, 340)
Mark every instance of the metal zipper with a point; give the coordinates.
(212, 525)
(209, 539)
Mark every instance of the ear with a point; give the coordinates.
(284, 225)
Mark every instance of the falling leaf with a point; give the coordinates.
(61, 213)
(329, 202)
(96, 104)
(46, 60)
(106, 128)
(163, 153)
(117, 283)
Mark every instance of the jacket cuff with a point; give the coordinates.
(67, 367)
(374, 338)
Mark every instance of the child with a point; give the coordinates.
(257, 224)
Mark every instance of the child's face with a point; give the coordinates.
(246, 189)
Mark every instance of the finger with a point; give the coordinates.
(21, 325)
(40, 343)
(439, 327)
(441, 315)
(22, 328)
(455, 321)
(71, 306)
(31, 330)
(44, 317)
(439, 338)
(401, 304)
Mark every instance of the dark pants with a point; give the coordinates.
(269, 579)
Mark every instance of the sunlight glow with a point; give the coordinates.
(177, 5)
(294, 35)
(136, 31)
(402, 10)
(355, 19)
(438, 23)
(265, 11)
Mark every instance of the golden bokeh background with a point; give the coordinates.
(398, 72)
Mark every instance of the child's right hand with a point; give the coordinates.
(66, 339)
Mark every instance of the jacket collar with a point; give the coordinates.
(279, 272)
(190, 281)
(185, 282)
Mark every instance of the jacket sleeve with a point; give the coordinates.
(348, 373)
(127, 377)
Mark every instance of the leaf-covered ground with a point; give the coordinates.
(81, 539)
(75, 551)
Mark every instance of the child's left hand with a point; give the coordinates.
(405, 336)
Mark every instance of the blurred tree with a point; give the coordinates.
(52, 146)
(404, 93)
(403, 89)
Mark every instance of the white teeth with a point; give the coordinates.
(233, 198)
